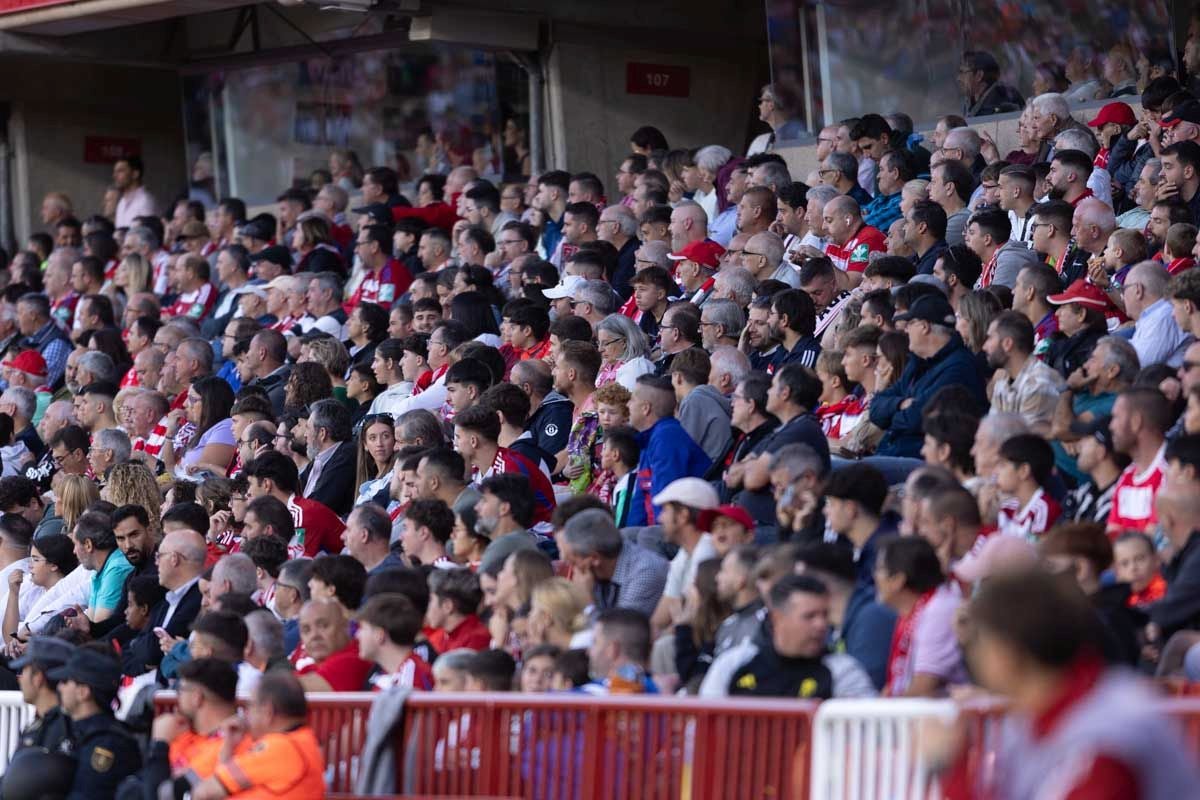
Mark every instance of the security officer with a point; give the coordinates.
(105, 751)
(51, 727)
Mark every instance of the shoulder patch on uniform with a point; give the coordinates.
(747, 681)
(808, 687)
(102, 759)
(551, 429)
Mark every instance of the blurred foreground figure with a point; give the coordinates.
(1077, 729)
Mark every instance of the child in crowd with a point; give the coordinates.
(1025, 464)
(1177, 251)
(835, 392)
(619, 457)
(1135, 562)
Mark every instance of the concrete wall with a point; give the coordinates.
(588, 101)
(56, 105)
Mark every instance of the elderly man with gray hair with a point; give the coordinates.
(619, 573)
(594, 300)
(20, 403)
(840, 170)
(734, 283)
(721, 323)
(619, 227)
(1157, 337)
(763, 257)
(111, 446)
(729, 367)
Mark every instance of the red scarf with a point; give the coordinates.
(902, 643)
(989, 271)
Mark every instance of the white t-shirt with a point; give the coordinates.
(682, 571)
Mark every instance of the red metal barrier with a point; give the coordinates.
(577, 746)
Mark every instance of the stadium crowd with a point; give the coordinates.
(927, 419)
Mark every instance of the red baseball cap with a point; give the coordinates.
(29, 361)
(705, 252)
(1083, 292)
(735, 513)
(1118, 112)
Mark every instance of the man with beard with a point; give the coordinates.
(1163, 215)
(330, 478)
(505, 515)
(1023, 384)
(1069, 173)
(757, 340)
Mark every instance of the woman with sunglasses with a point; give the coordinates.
(376, 455)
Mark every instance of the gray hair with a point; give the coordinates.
(725, 313)
(1152, 275)
(266, 631)
(1000, 426)
(659, 253)
(592, 532)
(63, 257)
(116, 440)
(239, 570)
(712, 158)
(201, 350)
(330, 281)
(626, 218)
(296, 573)
(797, 459)
(843, 163)
(730, 361)
(457, 660)
(1120, 352)
(770, 245)
(145, 235)
(337, 195)
(1155, 165)
(24, 399)
(333, 417)
(739, 282)
(1052, 103)
(636, 344)
(1077, 139)
(598, 294)
(420, 423)
(821, 194)
(775, 175)
(99, 365)
(965, 139)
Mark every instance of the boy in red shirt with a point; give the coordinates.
(387, 631)
(454, 595)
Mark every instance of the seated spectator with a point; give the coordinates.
(619, 658)
(1026, 463)
(489, 671)
(789, 657)
(341, 579)
(291, 593)
(387, 630)
(1136, 563)
(617, 573)
(452, 619)
(331, 661)
(925, 658)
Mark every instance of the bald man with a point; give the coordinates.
(689, 224)
(851, 241)
(180, 560)
(1091, 225)
(335, 665)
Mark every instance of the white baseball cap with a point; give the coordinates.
(565, 289)
(691, 492)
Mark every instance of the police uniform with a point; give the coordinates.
(106, 754)
(51, 729)
(105, 751)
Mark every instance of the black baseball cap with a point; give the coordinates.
(933, 308)
(91, 668)
(1184, 112)
(378, 213)
(46, 652)
(1098, 428)
(261, 227)
(276, 254)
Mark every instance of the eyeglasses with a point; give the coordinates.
(704, 324)
(751, 253)
(614, 340)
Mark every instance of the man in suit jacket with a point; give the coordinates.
(180, 563)
(329, 479)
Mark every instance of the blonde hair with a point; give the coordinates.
(917, 187)
(139, 273)
(75, 495)
(134, 484)
(563, 601)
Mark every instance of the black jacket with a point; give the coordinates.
(1180, 607)
(335, 488)
(275, 385)
(1067, 354)
(144, 653)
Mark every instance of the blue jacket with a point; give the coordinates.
(921, 379)
(668, 453)
(882, 211)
